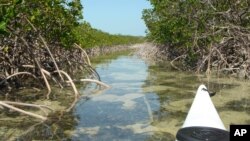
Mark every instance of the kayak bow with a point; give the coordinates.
(203, 122)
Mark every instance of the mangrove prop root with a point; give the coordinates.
(41, 107)
(25, 54)
(228, 53)
(46, 46)
(74, 88)
(71, 82)
(15, 74)
(95, 81)
(39, 66)
(91, 70)
(45, 72)
(172, 62)
(85, 54)
(22, 111)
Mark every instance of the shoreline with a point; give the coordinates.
(156, 53)
(97, 51)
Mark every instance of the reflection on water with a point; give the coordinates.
(123, 112)
(149, 102)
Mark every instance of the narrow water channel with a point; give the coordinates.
(148, 102)
(123, 112)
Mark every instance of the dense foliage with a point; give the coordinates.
(181, 22)
(53, 19)
(57, 21)
(197, 28)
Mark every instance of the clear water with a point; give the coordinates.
(146, 102)
(150, 101)
(123, 112)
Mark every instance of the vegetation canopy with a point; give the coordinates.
(202, 33)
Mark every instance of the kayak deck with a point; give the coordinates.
(202, 133)
(203, 122)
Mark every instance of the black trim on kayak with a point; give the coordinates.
(210, 93)
(198, 133)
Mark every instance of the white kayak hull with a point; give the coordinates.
(202, 120)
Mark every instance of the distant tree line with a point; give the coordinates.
(89, 37)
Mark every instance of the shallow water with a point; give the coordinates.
(149, 101)
(146, 102)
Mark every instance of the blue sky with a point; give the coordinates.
(116, 16)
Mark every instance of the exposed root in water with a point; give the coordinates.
(27, 56)
(71, 82)
(177, 58)
(95, 81)
(41, 107)
(2, 103)
(74, 88)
